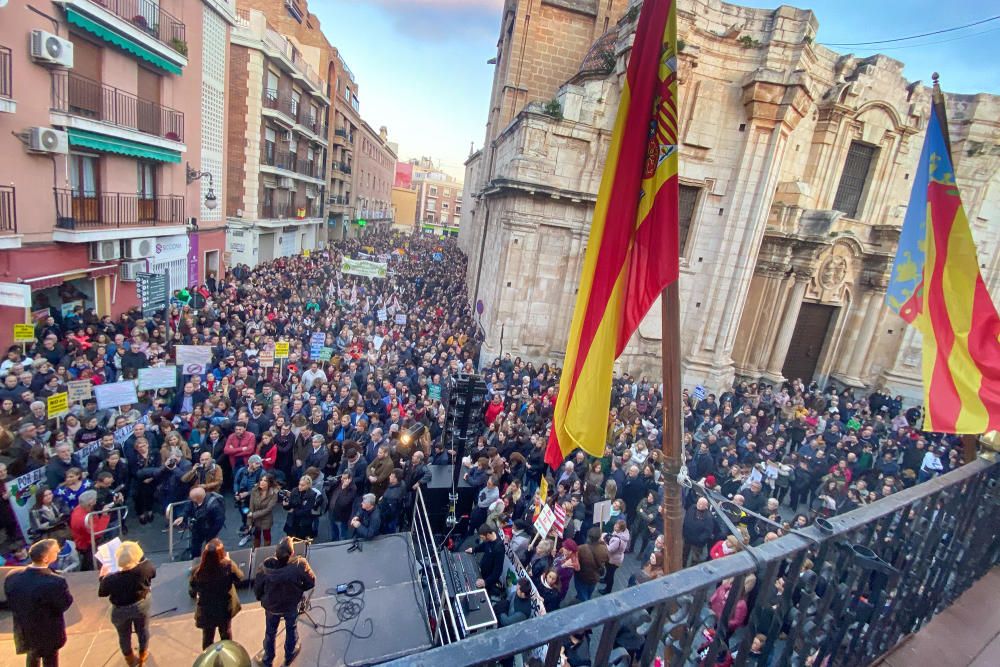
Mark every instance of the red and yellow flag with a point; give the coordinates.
(633, 249)
(936, 286)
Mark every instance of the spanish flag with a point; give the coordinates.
(936, 286)
(633, 249)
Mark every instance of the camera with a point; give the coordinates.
(284, 495)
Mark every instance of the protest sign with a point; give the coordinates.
(24, 333)
(22, 496)
(163, 377)
(116, 393)
(281, 350)
(699, 392)
(546, 519)
(194, 359)
(266, 358)
(400, 318)
(382, 314)
(79, 390)
(57, 405)
(325, 353)
(602, 512)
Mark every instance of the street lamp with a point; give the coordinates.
(211, 201)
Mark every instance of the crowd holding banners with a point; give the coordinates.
(337, 418)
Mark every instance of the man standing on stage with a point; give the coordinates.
(37, 598)
(281, 584)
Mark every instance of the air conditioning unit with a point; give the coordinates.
(286, 182)
(51, 50)
(130, 271)
(47, 140)
(103, 251)
(138, 248)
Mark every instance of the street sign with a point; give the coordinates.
(153, 290)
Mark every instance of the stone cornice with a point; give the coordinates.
(501, 186)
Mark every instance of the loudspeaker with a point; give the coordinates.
(244, 559)
(436, 497)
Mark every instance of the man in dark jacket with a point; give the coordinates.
(367, 521)
(38, 597)
(391, 504)
(206, 515)
(698, 531)
(280, 585)
(491, 565)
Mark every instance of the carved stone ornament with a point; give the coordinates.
(832, 273)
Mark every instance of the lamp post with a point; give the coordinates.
(193, 175)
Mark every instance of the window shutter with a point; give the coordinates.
(857, 168)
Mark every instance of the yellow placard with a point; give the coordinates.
(58, 405)
(281, 350)
(305, 253)
(24, 333)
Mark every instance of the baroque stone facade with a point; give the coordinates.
(796, 166)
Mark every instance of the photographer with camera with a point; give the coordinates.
(299, 503)
(205, 516)
(169, 485)
(206, 474)
(280, 585)
(244, 484)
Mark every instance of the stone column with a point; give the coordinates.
(865, 339)
(787, 328)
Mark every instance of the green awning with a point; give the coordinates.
(122, 42)
(100, 142)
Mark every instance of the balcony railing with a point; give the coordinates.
(148, 16)
(79, 96)
(75, 210)
(281, 160)
(6, 74)
(873, 576)
(277, 211)
(339, 200)
(284, 105)
(8, 209)
(341, 167)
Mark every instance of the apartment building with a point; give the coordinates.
(112, 127)
(278, 142)
(345, 126)
(439, 199)
(374, 177)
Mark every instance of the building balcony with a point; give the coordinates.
(108, 110)
(118, 212)
(139, 27)
(253, 30)
(7, 103)
(288, 164)
(341, 167)
(289, 211)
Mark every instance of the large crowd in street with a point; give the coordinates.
(335, 445)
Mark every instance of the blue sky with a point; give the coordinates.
(421, 64)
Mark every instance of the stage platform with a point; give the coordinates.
(392, 623)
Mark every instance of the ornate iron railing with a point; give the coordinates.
(148, 16)
(840, 596)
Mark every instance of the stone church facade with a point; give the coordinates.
(796, 166)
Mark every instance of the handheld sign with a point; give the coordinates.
(24, 333)
(115, 394)
(57, 405)
(194, 359)
(266, 358)
(281, 350)
(163, 377)
(79, 390)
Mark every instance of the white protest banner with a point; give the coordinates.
(513, 570)
(79, 390)
(194, 359)
(162, 377)
(22, 496)
(602, 512)
(123, 434)
(83, 454)
(116, 393)
(15, 295)
(400, 318)
(361, 267)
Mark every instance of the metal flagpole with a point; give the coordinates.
(673, 452)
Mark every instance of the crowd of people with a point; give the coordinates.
(340, 435)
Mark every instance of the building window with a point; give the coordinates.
(270, 137)
(83, 175)
(430, 218)
(272, 85)
(433, 191)
(854, 179)
(688, 202)
(431, 205)
(447, 192)
(444, 206)
(146, 189)
(296, 102)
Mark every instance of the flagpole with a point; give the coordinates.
(969, 451)
(673, 511)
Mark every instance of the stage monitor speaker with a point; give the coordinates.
(244, 559)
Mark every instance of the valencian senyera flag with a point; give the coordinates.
(633, 249)
(936, 287)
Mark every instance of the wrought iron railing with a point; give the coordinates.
(83, 210)
(79, 96)
(149, 17)
(842, 595)
(6, 74)
(8, 209)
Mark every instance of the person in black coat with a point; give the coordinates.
(341, 494)
(280, 585)
(206, 515)
(38, 597)
(367, 521)
(300, 504)
(213, 583)
(491, 565)
(129, 590)
(698, 531)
